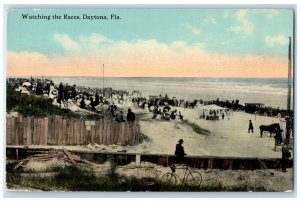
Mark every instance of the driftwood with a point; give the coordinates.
(67, 156)
(70, 158)
(265, 167)
(21, 163)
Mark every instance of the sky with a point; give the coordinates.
(150, 43)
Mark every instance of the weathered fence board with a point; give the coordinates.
(63, 130)
(8, 137)
(54, 130)
(51, 130)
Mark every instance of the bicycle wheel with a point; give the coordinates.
(168, 179)
(194, 178)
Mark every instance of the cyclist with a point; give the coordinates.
(179, 152)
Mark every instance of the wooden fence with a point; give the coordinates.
(202, 162)
(54, 130)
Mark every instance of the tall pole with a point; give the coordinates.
(103, 80)
(289, 78)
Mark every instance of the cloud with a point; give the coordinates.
(67, 43)
(270, 13)
(280, 39)
(85, 54)
(244, 26)
(194, 30)
(209, 20)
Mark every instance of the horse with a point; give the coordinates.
(270, 128)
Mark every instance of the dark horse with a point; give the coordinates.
(270, 128)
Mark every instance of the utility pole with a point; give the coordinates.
(289, 78)
(103, 81)
(288, 119)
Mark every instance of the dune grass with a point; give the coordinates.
(71, 179)
(196, 128)
(31, 105)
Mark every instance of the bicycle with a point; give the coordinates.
(190, 178)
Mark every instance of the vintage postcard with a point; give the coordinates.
(150, 99)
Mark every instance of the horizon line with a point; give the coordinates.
(151, 76)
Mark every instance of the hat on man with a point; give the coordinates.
(180, 141)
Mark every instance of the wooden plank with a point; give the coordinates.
(68, 132)
(93, 131)
(63, 136)
(114, 132)
(106, 138)
(12, 131)
(123, 134)
(51, 130)
(101, 132)
(53, 134)
(38, 134)
(8, 133)
(97, 132)
(108, 135)
(45, 137)
(103, 135)
(81, 132)
(29, 132)
(72, 134)
(132, 131)
(17, 130)
(75, 131)
(129, 134)
(70, 158)
(56, 130)
(138, 132)
(35, 131)
(118, 134)
(25, 126)
(19, 136)
(40, 131)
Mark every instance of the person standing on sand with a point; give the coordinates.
(179, 152)
(250, 126)
(286, 154)
(130, 115)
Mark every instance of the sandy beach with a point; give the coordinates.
(227, 138)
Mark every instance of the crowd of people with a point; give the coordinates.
(93, 99)
(102, 101)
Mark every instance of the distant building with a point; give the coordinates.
(252, 107)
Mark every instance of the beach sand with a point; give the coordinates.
(228, 138)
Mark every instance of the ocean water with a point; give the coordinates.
(270, 91)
